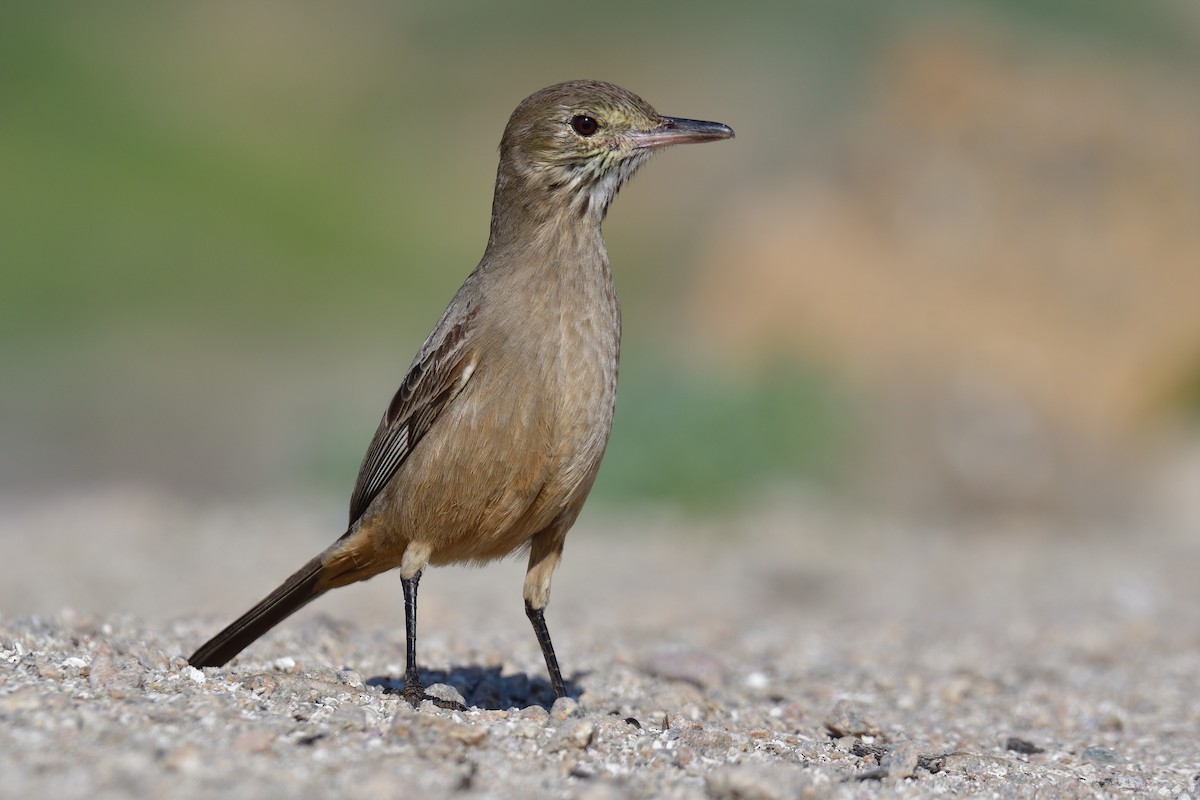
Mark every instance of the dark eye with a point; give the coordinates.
(584, 125)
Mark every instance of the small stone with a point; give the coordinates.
(901, 761)
(847, 719)
(870, 753)
(1023, 746)
(757, 681)
(536, 713)
(574, 734)
(709, 741)
(1101, 755)
(444, 691)
(262, 684)
(285, 664)
(193, 674)
(563, 707)
(1136, 783)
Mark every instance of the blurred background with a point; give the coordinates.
(950, 266)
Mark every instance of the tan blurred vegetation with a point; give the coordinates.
(954, 251)
(1026, 219)
(1004, 252)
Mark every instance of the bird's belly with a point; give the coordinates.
(507, 460)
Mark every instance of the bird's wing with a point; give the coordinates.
(438, 374)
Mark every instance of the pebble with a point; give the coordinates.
(564, 707)
(535, 713)
(351, 678)
(444, 691)
(96, 706)
(848, 719)
(706, 739)
(1101, 755)
(1023, 746)
(574, 734)
(901, 760)
(757, 681)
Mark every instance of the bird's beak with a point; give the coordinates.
(673, 130)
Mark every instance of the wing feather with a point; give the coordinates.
(438, 374)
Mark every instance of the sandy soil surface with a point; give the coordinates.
(787, 652)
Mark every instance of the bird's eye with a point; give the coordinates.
(584, 125)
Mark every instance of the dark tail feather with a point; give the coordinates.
(296, 592)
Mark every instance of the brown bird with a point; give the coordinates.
(495, 436)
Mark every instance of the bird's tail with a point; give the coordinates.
(353, 557)
(296, 592)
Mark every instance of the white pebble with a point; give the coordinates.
(757, 680)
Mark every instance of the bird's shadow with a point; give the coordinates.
(486, 688)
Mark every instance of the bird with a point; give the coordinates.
(493, 440)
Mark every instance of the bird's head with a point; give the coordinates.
(570, 147)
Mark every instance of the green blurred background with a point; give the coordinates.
(952, 259)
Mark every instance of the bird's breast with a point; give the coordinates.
(570, 338)
(520, 446)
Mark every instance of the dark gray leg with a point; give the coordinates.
(414, 692)
(538, 618)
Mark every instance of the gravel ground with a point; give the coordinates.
(786, 653)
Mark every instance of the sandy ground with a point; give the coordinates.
(786, 652)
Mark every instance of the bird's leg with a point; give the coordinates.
(545, 549)
(538, 618)
(413, 691)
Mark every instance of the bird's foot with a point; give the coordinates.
(415, 694)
